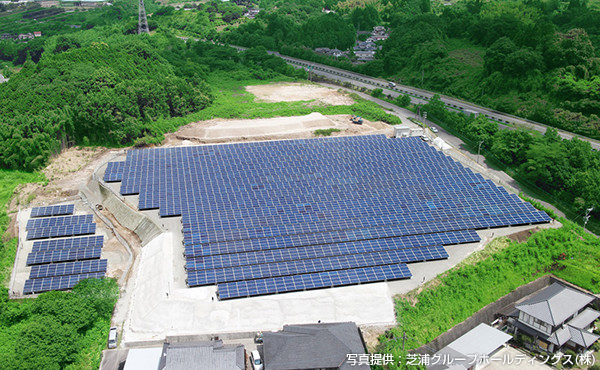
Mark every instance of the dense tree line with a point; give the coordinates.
(536, 59)
(104, 93)
(567, 169)
(50, 331)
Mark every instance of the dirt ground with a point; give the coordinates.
(280, 92)
(280, 128)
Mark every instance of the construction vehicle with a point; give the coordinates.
(356, 119)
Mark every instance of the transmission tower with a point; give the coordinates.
(142, 22)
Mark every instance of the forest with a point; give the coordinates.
(536, 59)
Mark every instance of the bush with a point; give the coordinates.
(377, 93)
(402, 100)
(326, 131)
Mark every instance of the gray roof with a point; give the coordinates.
(555, 304)
(584, 319)
(204, 355)
(480, 341)
(143, 358)
(582, 337)
(312, 346)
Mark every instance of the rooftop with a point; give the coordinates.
(313, 346)
(555, 304)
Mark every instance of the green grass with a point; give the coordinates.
(326, 131)
(9, 180)
(488, 275)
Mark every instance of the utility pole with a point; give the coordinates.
(142, 20)
(479, 150)
(587, 217)
(403, 341)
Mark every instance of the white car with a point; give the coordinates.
(424, 138)
(257, 363)
(435, 130)
(112, 337)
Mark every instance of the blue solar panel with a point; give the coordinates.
(68, 268)
(58, 231)
(289, 203)
(66, 243)
(316, 251)
(248, 288)
(34, 286)
(295, 267)
(63, 255)
(66, 209)
(114, 171)
(58, 221)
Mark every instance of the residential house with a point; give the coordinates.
(25, 36)
(37, 34)
(557, 318)
(251, 13)
(187, 355)
(365, 51)
(7, 36)
(332, 52)
(314, 346)
(470, 350)
(379, 34)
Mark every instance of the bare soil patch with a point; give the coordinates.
(281, 92)
(298, 127)
(522, 236)
(66, 173)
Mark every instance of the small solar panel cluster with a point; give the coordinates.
(59, 264)
(272, 217)
(114, 171)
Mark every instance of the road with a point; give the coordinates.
(419, 96)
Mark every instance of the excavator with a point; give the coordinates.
(356, 119)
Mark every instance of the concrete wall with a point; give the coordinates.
(145, 228)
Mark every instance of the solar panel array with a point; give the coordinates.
(33, 286)
(66, 209)
(58, 221)
(279, 216)
(63, 230)
(60, 263)
(114, 171)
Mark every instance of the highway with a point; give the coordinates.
(419, 96)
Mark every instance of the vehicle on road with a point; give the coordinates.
(435, 130)
(257, 363)
(391, 84)
(424, 138)
(112, 337)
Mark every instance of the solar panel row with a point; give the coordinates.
(300, 240)
(66, 243)
(295, 267)
(66, 209)
(58, 221)
(63, 255)
(34, 286)
(248, 288)
(58, 231)
(114, 171)
(68, 268)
